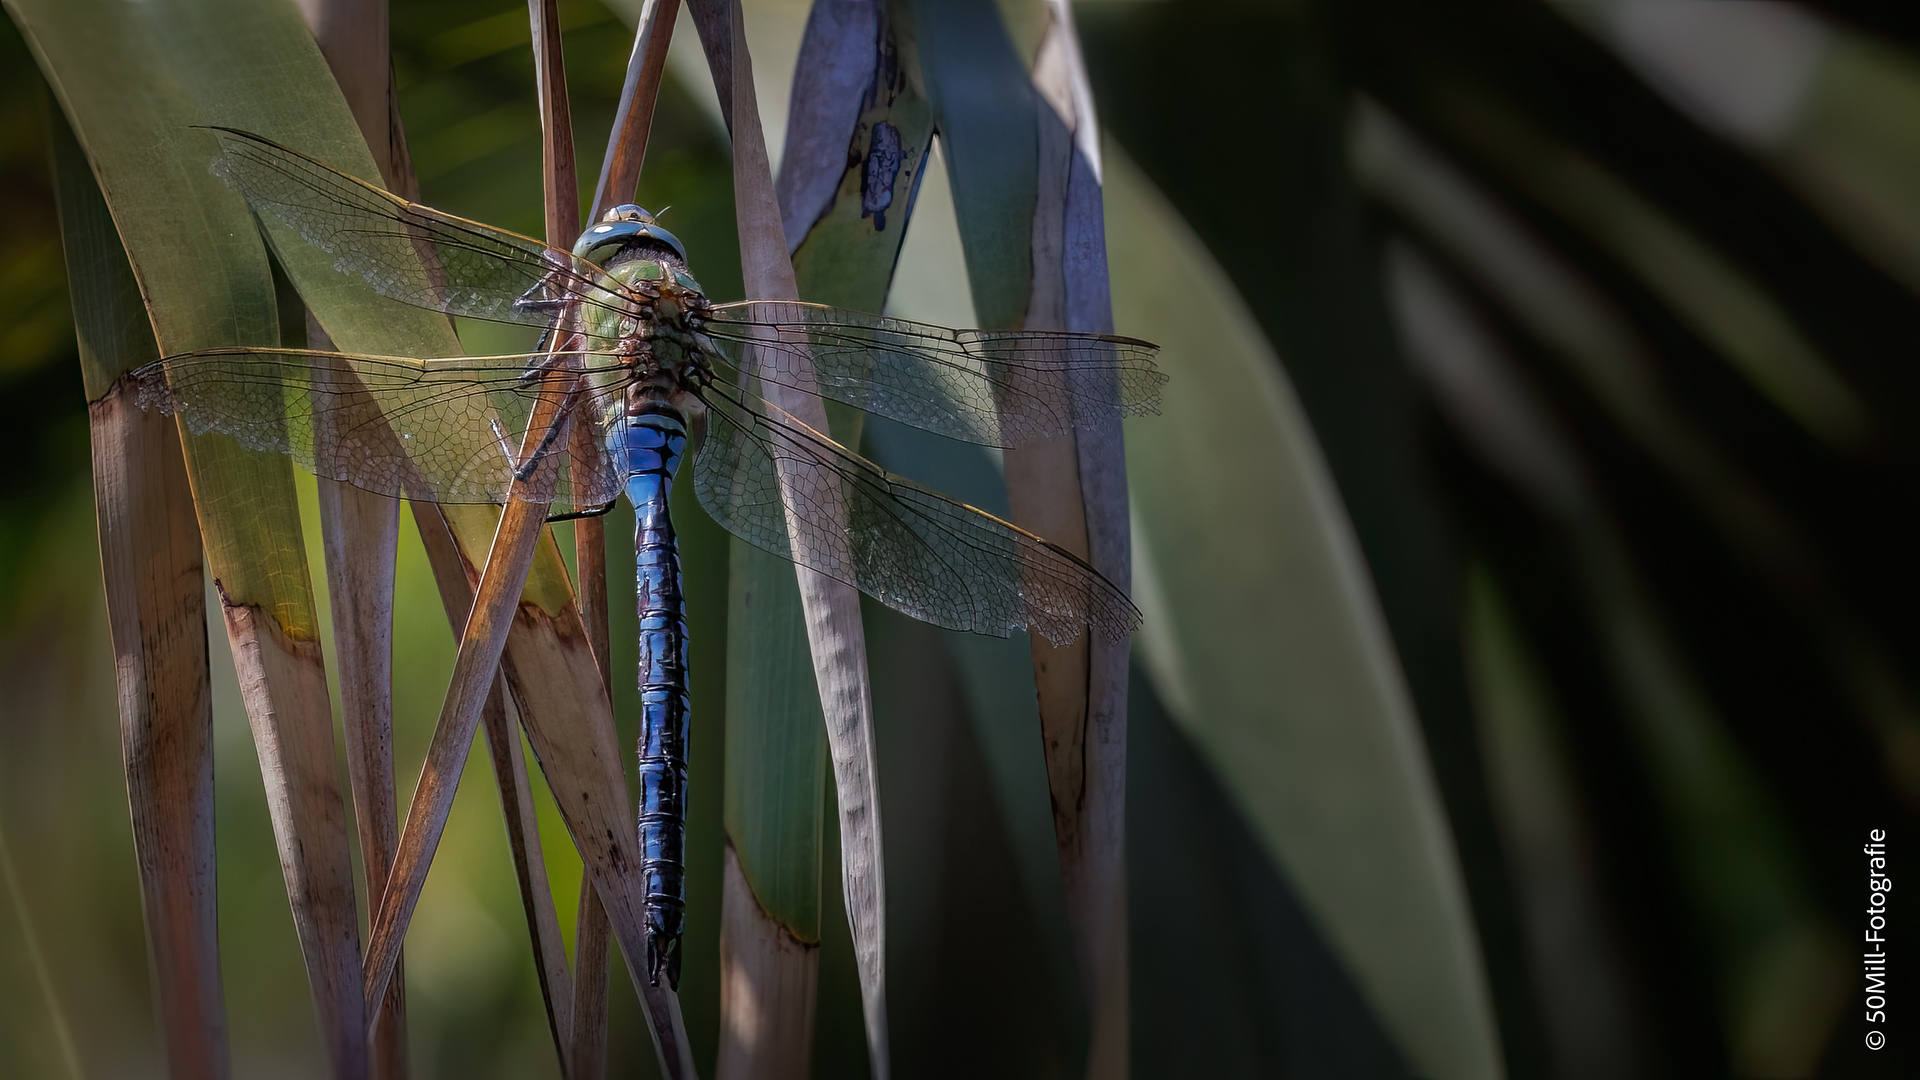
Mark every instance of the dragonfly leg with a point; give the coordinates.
(524, 470)
(506, 447)
(552, 357)
(549, 363)
(598, 511)
(546, 294)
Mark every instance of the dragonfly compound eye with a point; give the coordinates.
(623, 225)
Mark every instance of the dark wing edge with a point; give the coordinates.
(905, 545)
(992, 387)
(435, 430)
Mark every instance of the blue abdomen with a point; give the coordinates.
(653, 443)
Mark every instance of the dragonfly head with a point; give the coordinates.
(623, 225)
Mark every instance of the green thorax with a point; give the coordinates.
(642, 273)
(663, 308)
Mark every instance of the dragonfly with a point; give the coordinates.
(651, 371)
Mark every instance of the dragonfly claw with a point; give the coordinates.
(663, 958)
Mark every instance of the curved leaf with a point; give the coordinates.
(1013, 109)
(832, 610)
(150, 555)
(205, 278)
(1265, 639)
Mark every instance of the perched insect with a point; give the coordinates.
(654, 370)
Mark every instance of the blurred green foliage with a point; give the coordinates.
(38, 359)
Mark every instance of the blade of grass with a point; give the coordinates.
(551, 671)
(495, 602)
(768, 980)
(996, 675)
(847, 242)
(1244, 934)
(283, 684)
(569, 722)
(567, 718)
(553, 674)
(587, 1037)
(272, 79)
(1290, 229)
(775, 772)
(560, 199)
(1265, 641)
(150, 554)
(843, 254)
(1704, 288)
(1025, 170)
(206, 281)
(772, 812)
(619, 174)
(530, 869)
(1086, 734)
(633, 120)
(360, 532)
(352, 35)
(832, 610)
(775, 747)
(560, 186)
(516, 798)
(774, 819)
(42, 974)
(984, 107)
(579, 1014)
(846, 105)
(359, 58)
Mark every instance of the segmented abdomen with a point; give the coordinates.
(654, 443)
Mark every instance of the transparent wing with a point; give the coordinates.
(408, 252)
(435, 430)
(910, 548)
(995, 388)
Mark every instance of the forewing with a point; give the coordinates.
(995, 388)
(409, 252)
(436, 430)
(911, 548)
